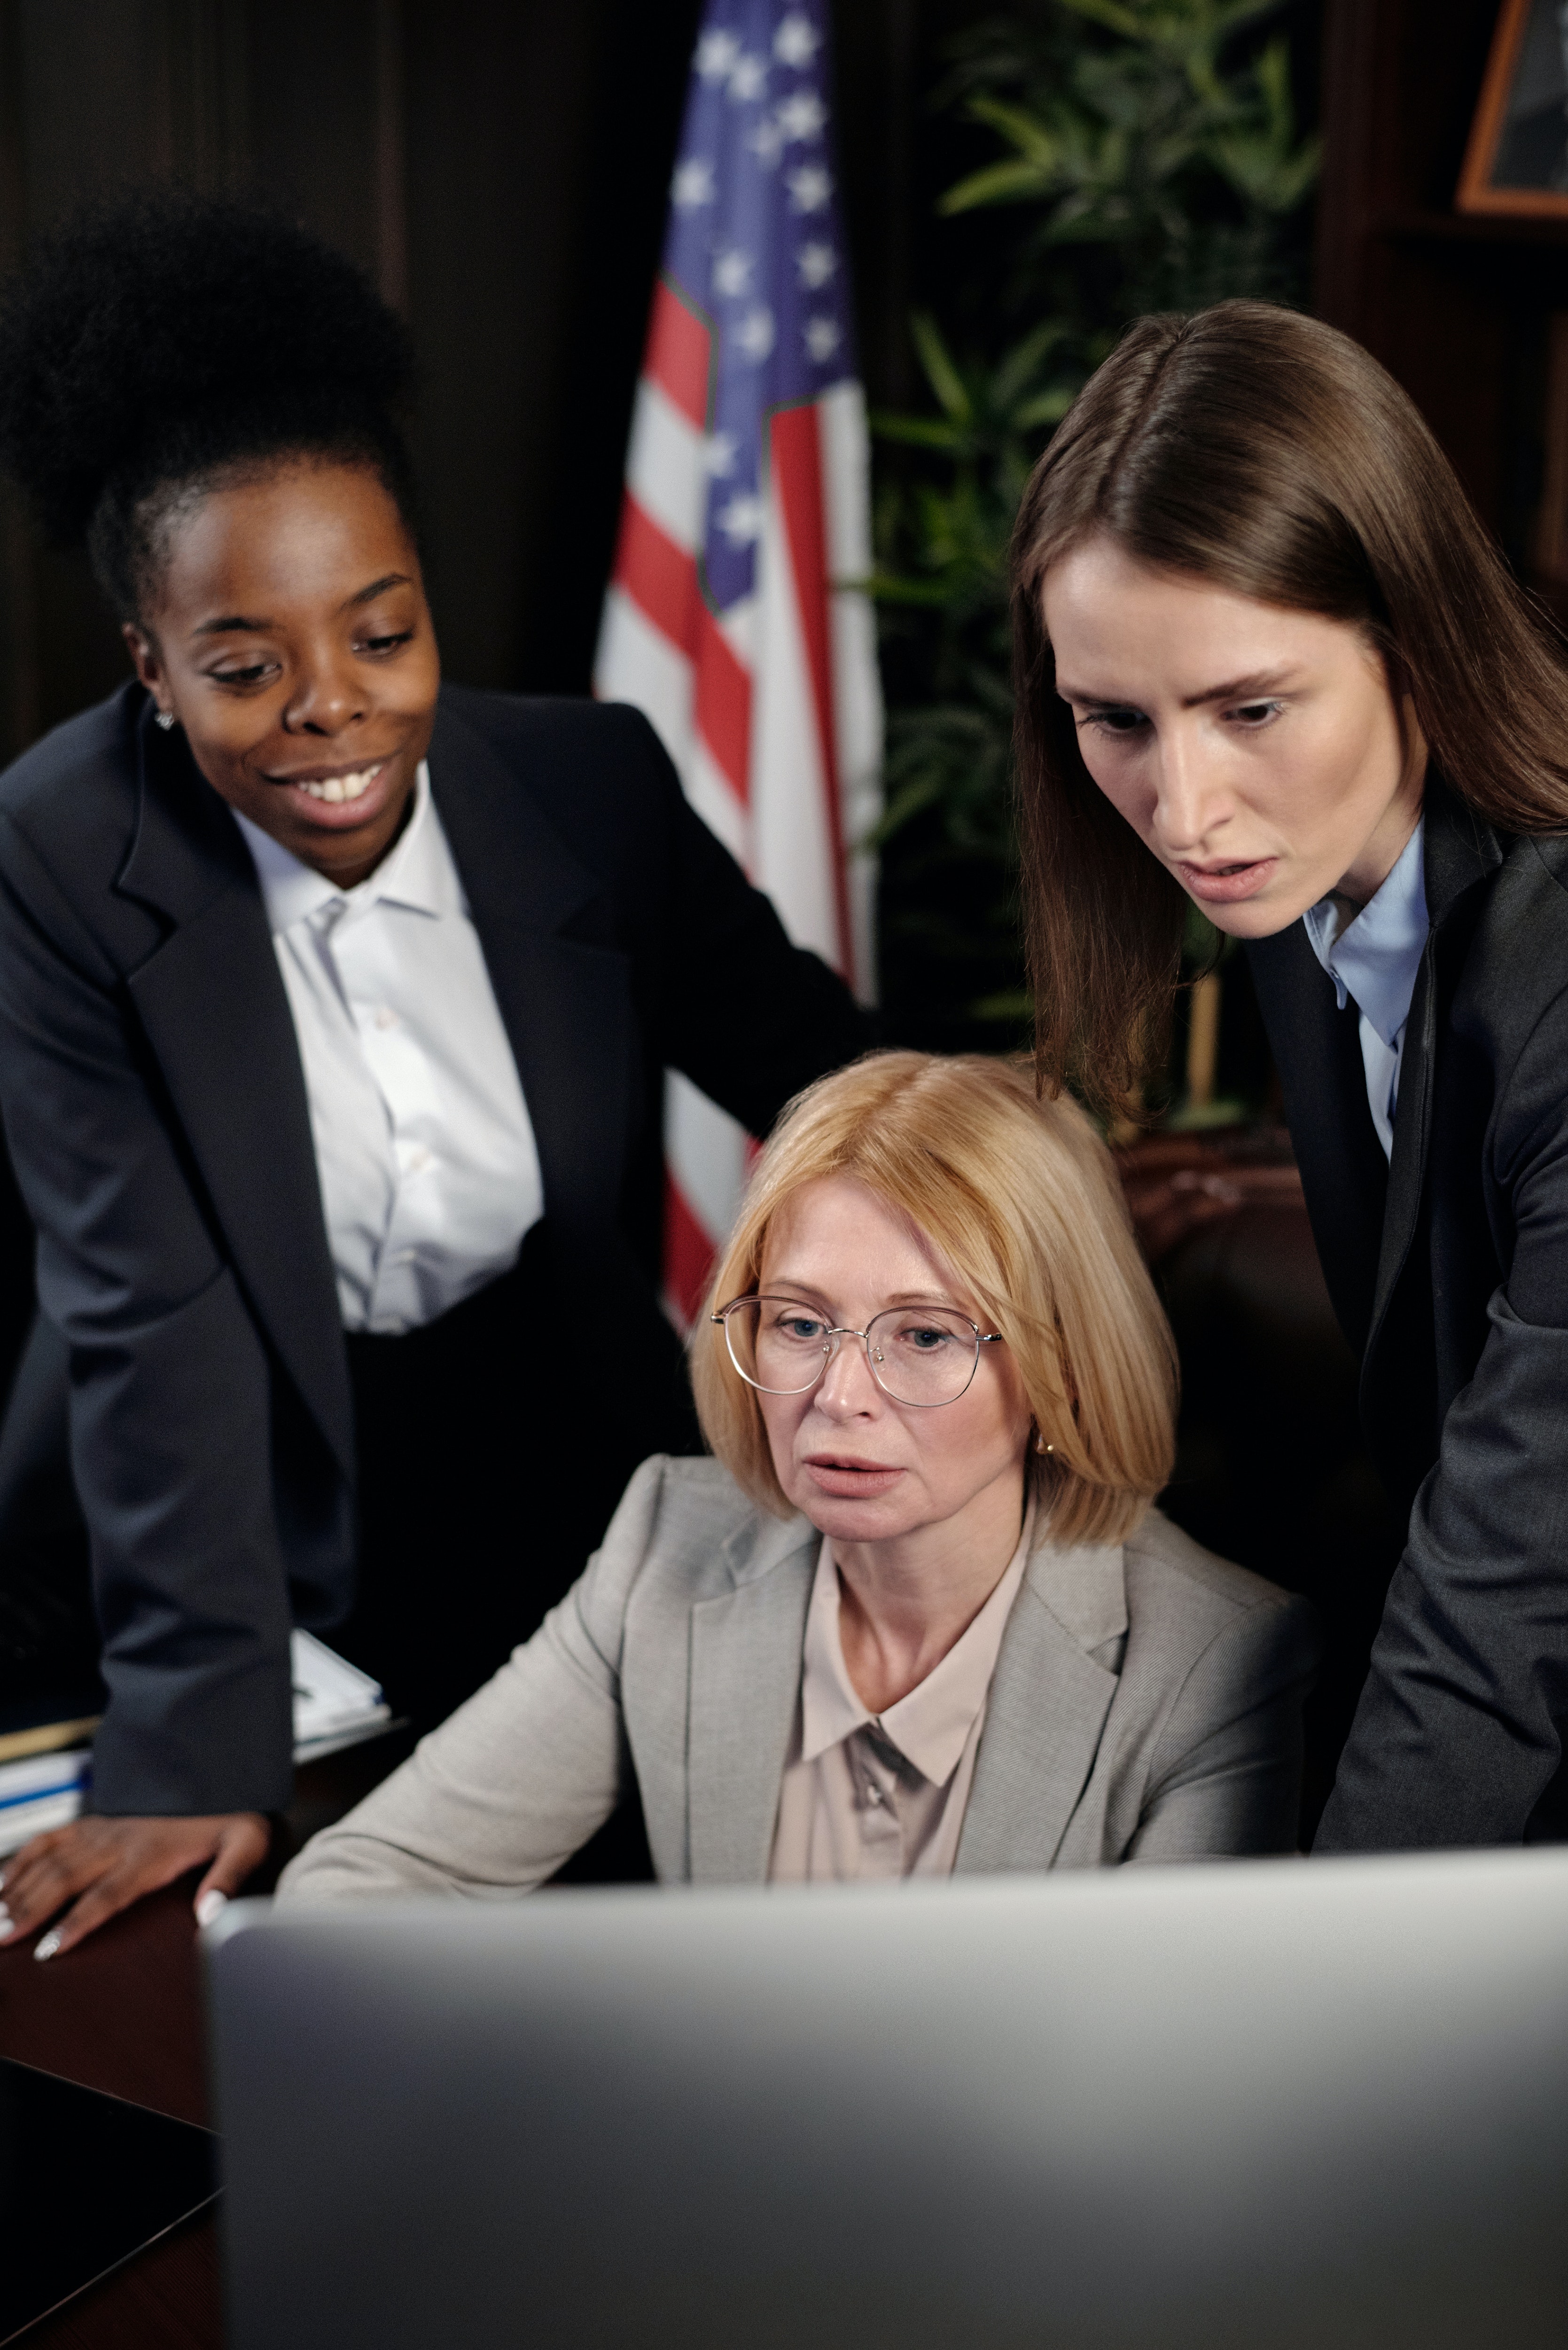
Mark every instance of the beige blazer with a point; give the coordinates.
(1145, 1706)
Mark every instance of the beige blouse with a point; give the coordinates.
(869, 1796)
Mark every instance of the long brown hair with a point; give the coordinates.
(1266, 453)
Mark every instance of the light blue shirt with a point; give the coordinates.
(1373, 957)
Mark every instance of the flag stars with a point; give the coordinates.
(754, 334)
(802, 117)
(741, 519)
(733, 274)
(766, 143)
(717, 56)
(718, 453)
(748, 79)
(692, 185)
(798, 40)
(809, 187)
(815, 264)
(823, 337)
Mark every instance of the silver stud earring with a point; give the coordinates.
(166, 719)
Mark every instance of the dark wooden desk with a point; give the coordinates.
(123, 2012)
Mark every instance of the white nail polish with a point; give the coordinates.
(47, 1947)
(211, 1905)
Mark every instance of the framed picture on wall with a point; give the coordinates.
(1517, 159)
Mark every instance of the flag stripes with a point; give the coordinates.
(736, 614)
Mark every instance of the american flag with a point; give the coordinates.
(733, 616)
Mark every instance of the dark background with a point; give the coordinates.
(501, 167)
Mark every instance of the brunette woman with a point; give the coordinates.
(1269, 662)
(334, 1004)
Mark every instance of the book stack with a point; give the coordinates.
(38, 1792)
(46, 1771)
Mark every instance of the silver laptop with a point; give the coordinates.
(1284, 2106)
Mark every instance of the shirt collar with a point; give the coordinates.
(418, 872)
(1375, 955)
(930, 1726)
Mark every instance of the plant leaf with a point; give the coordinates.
(1011, 1003)
(890, 588)
(997, 183)
(1031, 135)
(1018, 365)
(941, 372)
(917, 431)
(1114, 19)
(1048, 407)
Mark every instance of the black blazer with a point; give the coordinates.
(1449, 1271)
(156, 1113)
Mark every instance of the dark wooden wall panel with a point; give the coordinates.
(1455, 307)
(501, 167)
(309, 124)
(497, 169)
(89, 109)
(18, 644)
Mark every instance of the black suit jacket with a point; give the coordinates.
(1449, 1271)
(156, 1113)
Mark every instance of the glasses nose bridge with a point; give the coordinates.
(834, 1339)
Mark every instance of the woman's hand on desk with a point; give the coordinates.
(102, 1866)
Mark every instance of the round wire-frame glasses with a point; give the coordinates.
(920, 1356)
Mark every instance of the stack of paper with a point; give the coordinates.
(335, 1705)
(41, 1792)
(41, 1734)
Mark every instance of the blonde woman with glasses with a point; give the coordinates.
(918, 1616)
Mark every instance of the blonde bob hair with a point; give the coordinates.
(1021, 1200)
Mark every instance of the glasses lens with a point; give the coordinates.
(778, 1345)
(921, 1355)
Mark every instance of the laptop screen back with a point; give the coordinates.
(1271, 2104)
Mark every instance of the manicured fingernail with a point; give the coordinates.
(47, 1947)
(211, 1905)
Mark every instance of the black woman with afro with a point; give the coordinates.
(334, 1004)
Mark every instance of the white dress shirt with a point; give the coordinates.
(869, 1796)
(429, 1177)
(1372, 956)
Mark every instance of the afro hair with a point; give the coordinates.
(164, 340)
